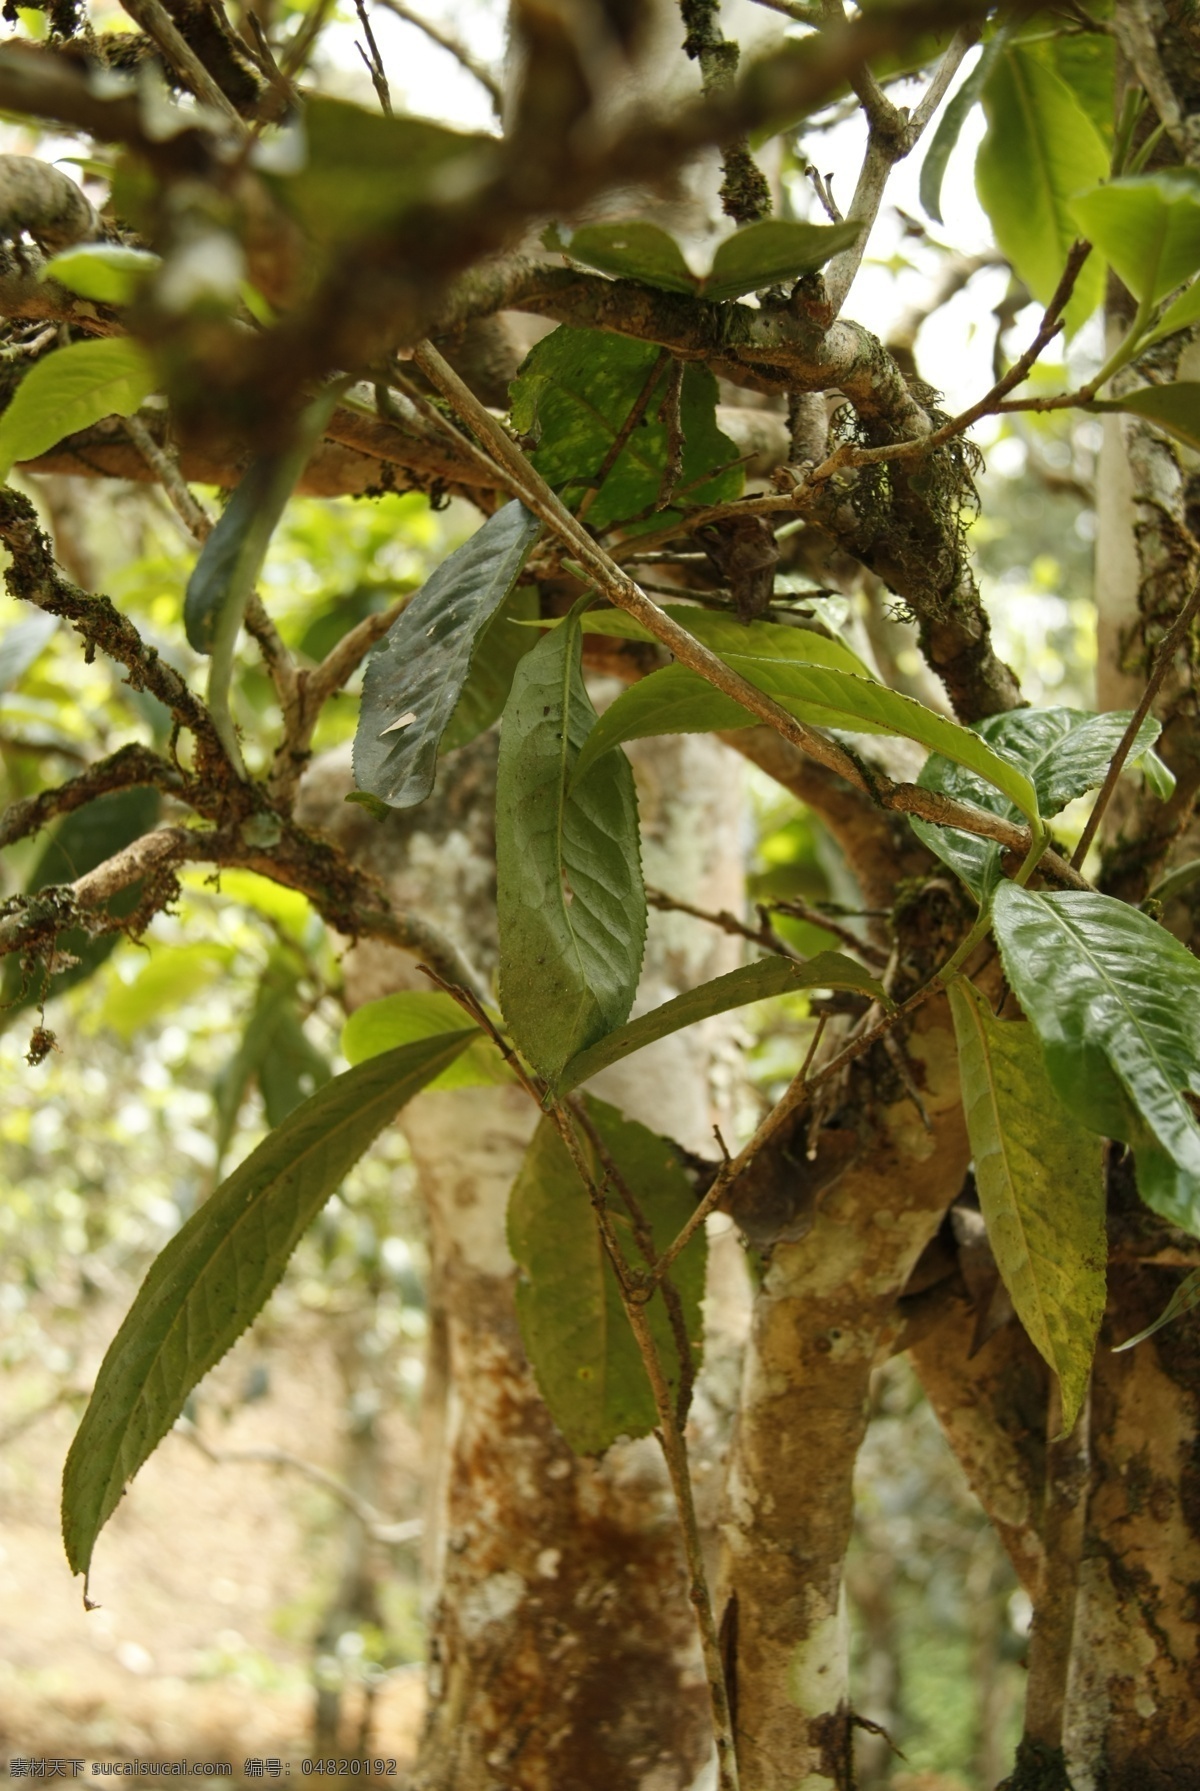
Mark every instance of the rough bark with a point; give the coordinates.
(820, 1325)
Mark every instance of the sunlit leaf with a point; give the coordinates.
(417, 673)
(218, 1272)
(723, 634)
(1040, 1178)
(419, 1014)
(71, 389)
(752, 982)
(1175, 409)
(570, 901)
(573, 1324)
(111, 273)
(1147, 226)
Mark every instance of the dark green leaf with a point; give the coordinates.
(1040, 1178)
(634, 251)
(1175, 409)
(1184, 1299)
(70, 390)
(753, 982)
(78, 844)
(1116, 1003)
(417, 674)
(217, 1273)
(274, 1052)
(1064, 752)
(570, 901)
(504, 643)
(573, 1325)
(949, 128)
(419, 1014)
(1041, 149)
(108, 272)
(573, 394)
(363, 171)
(1148, 226)
(671, 701)
(771, 251)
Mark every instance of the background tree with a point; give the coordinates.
(313, 289)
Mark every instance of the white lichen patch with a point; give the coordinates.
(491, 1601)
(819, 1670)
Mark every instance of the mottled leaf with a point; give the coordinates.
(573, 1324)
(416, 676)
(1040, 1178)
(217, 1273)
(1116, 1003)
(71, 389)
(752, 982)
(570, 901)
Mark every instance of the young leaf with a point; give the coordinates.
(417, 673)
(217, 1273)
(70, 390)
(108, 272)
(1064, 752)
(676, 700)
(949, 129)
(1040, 150)
(573, 1325)
(419, 1014)
(1116, 1003)
(570, 902)
(771, 251)
(724, 635)
(1041, 1189)
(1184, 1299)
(753, 982)
(1175, 409)
(1148, 226)
(573, 394)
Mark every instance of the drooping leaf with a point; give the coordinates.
(418, 1014)
(724, 635)
(217, 1273)
(503, 643)
(573, 393)
(417, 673)
(573, 1325)
(112, 273)
(1064, 752)
(1116, 1003)
(771, 251)
(757, 256)
(71, 389)
(752, 982)
(1147, 226)
(1040, 1178)
(1175, 409)
(950, 124)
(362, 172)
(1185, 1298)
(676, 700)
(570, 901)
(80, 842)
(1041, 149)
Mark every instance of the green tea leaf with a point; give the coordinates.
(217, 1273)
(724, 635)
(1040, 1178)
(771, 251)
(573, 393)
(1116, 1003)
(1184, 1299)
(752, 982)
(419, 1014)
(676, 700)
(502, 645)
(70, 390)
(634, 251)
(1041, 149)
(949, 128)
(570, 902)
(573, 1324)
(1181, 314)
(1147, 226)
(1064, 752)
(111, 273)
(1175, 409)
(417, 674)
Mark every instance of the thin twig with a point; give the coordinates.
(445, 41)
(374, 62)
(1162, 662)
(158, 24)
(165, 466)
